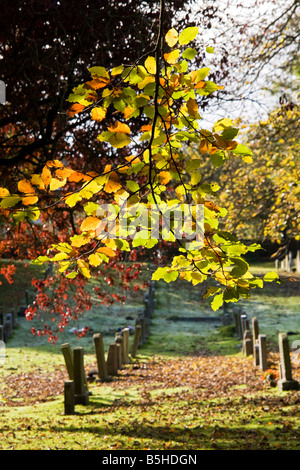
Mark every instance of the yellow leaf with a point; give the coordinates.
(172, 57)
(143, 83)
(150, 65)
(128, 112)
(83, 268)
(98, 114)
(171, 37)
(112, 186)
(24, 186)
(95, 260)
(4, 192)
(37, 181)
(29, 200)
(56, 184)
(80, 240)
(90, 224)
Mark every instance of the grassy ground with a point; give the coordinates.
(189, 388)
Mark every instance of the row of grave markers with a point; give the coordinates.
(255, 344)
(7, 323)
(118, 354)
(289, 263)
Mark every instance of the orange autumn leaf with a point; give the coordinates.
(99, 82)
(75, 108)
(165, 177)
(29, 200)
(63, 172)
(192, 107)
(128, 112)
(46, 176)
(24, 186)
(112, 186)
(107, 251)
(76, 176)
(200, 85)
(54, 163)
(204, 146)
(119, 127)
(90, 224)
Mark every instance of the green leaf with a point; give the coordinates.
(132, 186)
(99, 72)
(9, 201)
(210, 50)
(188, 35)
(189, 53)
(211, 291)
(230, 134)
(242, 150)
(218, 158)
(241, 267)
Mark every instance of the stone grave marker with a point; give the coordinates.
(69, 397)
(81, 392)
(262, 342)
(136, 340)
(100, 356)
(255, 332)
(286, 381)
(125, 334)
(112, 359)
(119, 340)
(68, 357)
(247, 343)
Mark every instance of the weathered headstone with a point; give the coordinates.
(68, 357)
(237, 323)
(100, 356)
(141, 321)
(136, 340)
(286, 381)
(255, 333)
(247, 343)
(80, 383)
(112, 359)
(125, 333)
(69, 397)
(262, 342)
(244, 323)
(297, 261)
(119, 340)
(8, 326)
